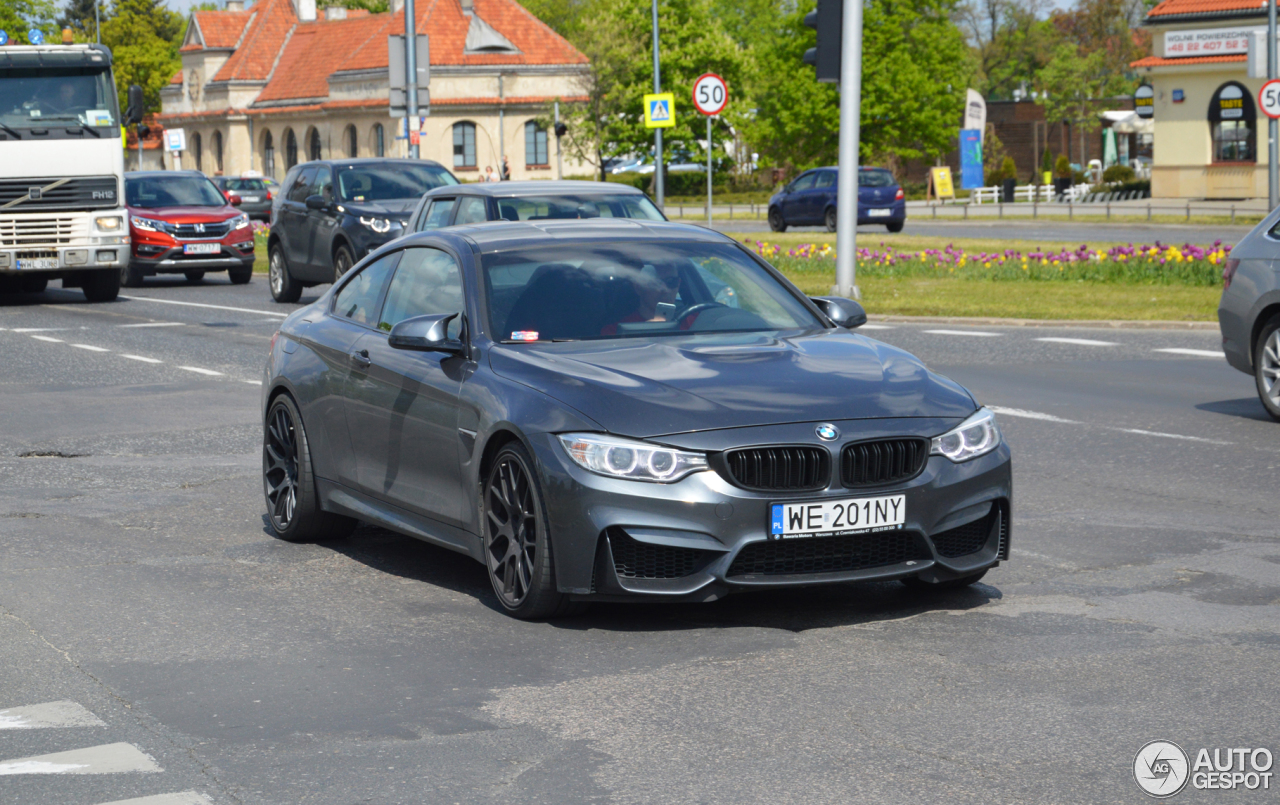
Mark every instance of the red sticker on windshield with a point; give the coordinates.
(524, 335)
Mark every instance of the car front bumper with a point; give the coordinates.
(171, 260)
(702, 537)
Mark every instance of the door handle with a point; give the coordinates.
(361, 359)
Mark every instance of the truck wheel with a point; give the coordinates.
(194, 276)
(284, 288)
(102, 286)
(34, 284)
(131, 276)
(240, 276)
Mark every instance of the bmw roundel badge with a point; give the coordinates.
(827, 433)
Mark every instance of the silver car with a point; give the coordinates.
(1249, 313)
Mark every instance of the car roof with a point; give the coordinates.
(541, 187)
(492, 236)
(366, 161)
(160, 174)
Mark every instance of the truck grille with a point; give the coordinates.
(884, 461)
(788, 557)
(791, 469)
(40, 230)
(90, 193)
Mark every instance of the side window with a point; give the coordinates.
(805, 182)
(826, 179)
(324, 184)
(358, 299)
(427, 282)
(437, 213)
(301, 186)
(471, 210)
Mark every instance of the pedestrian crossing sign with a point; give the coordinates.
(660, 110)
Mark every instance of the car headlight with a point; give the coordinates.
(625, 458)
(378, 225)
(976, 436)
(239, 222)
(149, 224)
(110, 223)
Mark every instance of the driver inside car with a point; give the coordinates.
(654, 285)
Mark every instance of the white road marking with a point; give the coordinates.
(977, 333)
(201, 304)
(90, 347)
(200, 371)
(1169, 435)
(155, 324)
(1082, 342)
(1198, 353)
(1020, 413)
(253, 382)
(49, 339)
(105, 759)
(182, 798)
(49, 714)
(875, 327)
(39, 329)
(140, 358)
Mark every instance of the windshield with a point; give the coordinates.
(33, 97)
(539, 208)
(586, 291)
(390, 181)
(875, 178)
(172, 191)
(239, 185)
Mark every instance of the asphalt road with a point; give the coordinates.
(1047, 231)
(196, 656)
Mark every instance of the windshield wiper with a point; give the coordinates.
(13, 132)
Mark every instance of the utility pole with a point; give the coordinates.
(411, 75)
(657, 87)
(850, 119)
(1273, 126)
(559, 133)
(97, 27)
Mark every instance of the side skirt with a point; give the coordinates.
(337, 498)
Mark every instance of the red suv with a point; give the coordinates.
(180, 223)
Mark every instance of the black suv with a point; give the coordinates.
(331, 213)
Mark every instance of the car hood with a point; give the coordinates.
(652, 387)
(398, 208)
(186, 215)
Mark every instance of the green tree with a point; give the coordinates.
(1069, 84)
(79, 17)
(143, 36)
(19, 16)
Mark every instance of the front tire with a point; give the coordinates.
(101, 286)
(284, 288)
(293, 507)
(34, 284)
(915, 583)
(131, 276)
(240, 276)
(1266, 367)
(194, 276)
(517, 545)
(776, 222)
(343, 260)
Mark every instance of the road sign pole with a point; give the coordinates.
(850, 112)
(411, 74)
(657, 87)
(1273, 126)
(708, 171)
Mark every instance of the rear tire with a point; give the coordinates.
(830, 219)
(896, 226)
(33, 284)
(914, 583)
(194, 276)
(284, 288)
(293, 506)
(102, 286)
(776, 222)
(240, 276)
(1266, 367)
(131, 276)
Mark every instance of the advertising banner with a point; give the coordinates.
(971, 159)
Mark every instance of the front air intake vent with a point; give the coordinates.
(633, 559)
(884, 461)
(796, 468)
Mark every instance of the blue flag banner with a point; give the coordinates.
(971, 159)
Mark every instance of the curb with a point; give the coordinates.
(1103, 324)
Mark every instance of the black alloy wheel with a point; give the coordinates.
(342, 262)
(776, 221)
(517, 547)
(292, 504)
(831, 219)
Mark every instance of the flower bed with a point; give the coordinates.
(1147, 264)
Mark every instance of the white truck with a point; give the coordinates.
(62, 208)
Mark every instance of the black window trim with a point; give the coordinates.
(422, 218)
(464, 333)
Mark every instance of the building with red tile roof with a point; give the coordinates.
(264, 87)
(1210, 137)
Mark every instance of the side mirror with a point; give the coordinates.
(425, 334)
(137, 105)
(316, 203)
(234, 200)
(842, 312)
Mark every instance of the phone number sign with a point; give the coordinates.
(1206, 42)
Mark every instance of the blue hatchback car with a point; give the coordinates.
(810, 200)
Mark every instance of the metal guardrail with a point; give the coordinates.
(1019, 209)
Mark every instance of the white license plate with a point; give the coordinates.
(38, 264)
(879, 213)
(251, 198)
(202, 248)
(847, 516)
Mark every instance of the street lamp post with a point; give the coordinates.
(657, 87)
(850, 118)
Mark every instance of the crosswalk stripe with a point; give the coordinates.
(105, 759)
(181, 798)
(49, 714)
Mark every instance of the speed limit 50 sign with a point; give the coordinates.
(1269, 98)
(710, 94)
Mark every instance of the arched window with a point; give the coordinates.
(313, 146)
(217, 152)
(290, 149)
(268, 154)
(1233, 122)
(198, 151)
(379, 141)
(351, 142)
(464, 145)
(535, 144)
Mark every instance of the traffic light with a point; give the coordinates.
(827, 19)
(561, 130)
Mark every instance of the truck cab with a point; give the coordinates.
(62, 210)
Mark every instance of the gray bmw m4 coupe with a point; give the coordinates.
(609, 410)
